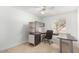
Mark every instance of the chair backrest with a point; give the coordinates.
(49, 34)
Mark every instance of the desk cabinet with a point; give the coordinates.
(35, 39)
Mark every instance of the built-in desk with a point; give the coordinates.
(36, 38)
(69, 38)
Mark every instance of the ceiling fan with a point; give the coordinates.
(44, 9)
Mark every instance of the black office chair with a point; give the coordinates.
(48, 36)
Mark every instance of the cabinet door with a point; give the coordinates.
(37, 39)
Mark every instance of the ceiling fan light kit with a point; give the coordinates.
(42, 12)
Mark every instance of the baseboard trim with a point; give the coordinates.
(14, 45)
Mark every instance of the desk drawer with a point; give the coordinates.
(31, 39)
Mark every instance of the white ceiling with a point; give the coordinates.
(50, 10)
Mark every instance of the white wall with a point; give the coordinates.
(13, 26)
(71, 22)
(78, 26)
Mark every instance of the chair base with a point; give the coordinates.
(48, 41)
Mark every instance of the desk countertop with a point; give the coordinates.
(66, 37)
